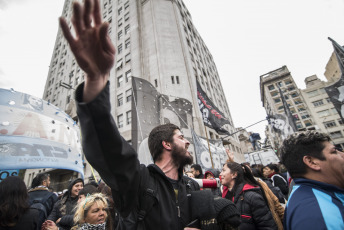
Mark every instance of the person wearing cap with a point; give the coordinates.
(63, 212)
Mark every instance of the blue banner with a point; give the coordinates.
(36, 134)
(6, 173)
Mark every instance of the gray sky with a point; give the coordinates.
(247, 38)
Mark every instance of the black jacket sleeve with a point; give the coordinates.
(67, 221)
(55, 213)
(106, 150)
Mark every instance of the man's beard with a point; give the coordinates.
(180, 156)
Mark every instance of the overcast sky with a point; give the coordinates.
(247, 38)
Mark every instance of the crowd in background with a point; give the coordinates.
(83, 206)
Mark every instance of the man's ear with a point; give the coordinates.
(312, 163)
(166, 145)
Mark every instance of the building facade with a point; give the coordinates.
(323, 112)
(271, 99)
(155, 41)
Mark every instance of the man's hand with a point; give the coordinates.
(91, 46)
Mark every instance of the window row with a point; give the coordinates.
(120, 99)
(120, 78)
(120, 119)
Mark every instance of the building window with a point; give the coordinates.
(127, 75)
(318, 103)
(172, 79)
(340, 121)
(120, 48)
(308, 123)
(279, 84)
(328, 100)
(127, 29)
(127, 43)
(126, 5)
(322, 90)
(299, 125)
(120, 10)
(313, 93)
(126, 17)
(120, 22)
(271, 87)
(128, 117)
(127, 58)
(120, 35)
(330, 124)
(277, 100)
(128, 95)
(156, 82)
(274, 93)
(288, 82)
(120, 121)
(334, 111)
(120, 81)
(335, 135)
(119, 100)
(323, 113)
(305, 116)
(177, 79)
(119, 64)
(294, 95)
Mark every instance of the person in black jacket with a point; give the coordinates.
(15, 213)
(248, 196)
(196, 170)
(39, 191)
(63, 211)
(165, 203)
(271, 171)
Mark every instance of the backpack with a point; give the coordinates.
(39, 203)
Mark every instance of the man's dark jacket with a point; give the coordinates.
(41, 191)
(118, 165)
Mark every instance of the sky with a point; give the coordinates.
(247, 38)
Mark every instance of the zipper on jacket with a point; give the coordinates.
(178, 211)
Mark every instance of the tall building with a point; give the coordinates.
(272, 102)
(322, 109)
(332, 70)
(156, 41)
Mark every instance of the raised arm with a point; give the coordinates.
(91, 46)
(105, 149)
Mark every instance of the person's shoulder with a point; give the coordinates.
(32, 213)
(303, 198)
(253, 194)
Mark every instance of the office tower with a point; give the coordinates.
(157, 42)
(271, 98)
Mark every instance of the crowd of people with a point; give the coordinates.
(160, 196)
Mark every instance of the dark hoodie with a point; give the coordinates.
(64, 208)
(215, 173)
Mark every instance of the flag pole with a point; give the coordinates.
(211, 158)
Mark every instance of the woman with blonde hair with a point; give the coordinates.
(91, 213)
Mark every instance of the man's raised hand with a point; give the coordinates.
(91, 46)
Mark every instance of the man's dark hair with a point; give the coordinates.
(197, 167)
(300, 144)
(88, 189)
(157, 136)
(273, 167)
(38, 180)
